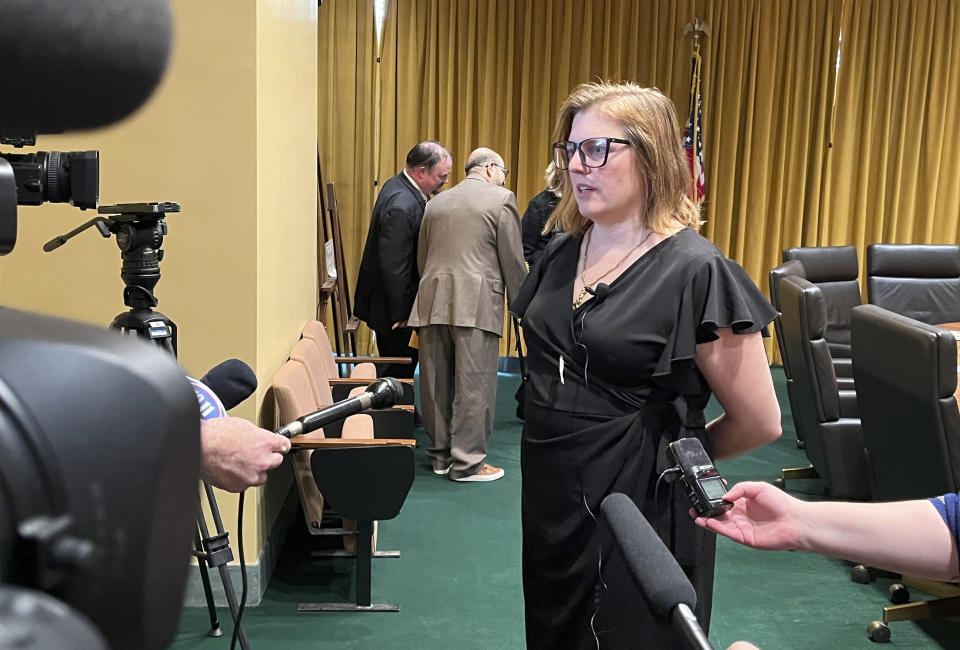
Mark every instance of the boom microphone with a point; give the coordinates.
(380, 394)
(232, 380)
(653, 568)
(79, 64)
(223, 387)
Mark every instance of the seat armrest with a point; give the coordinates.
(340, 389)
(302, 442)
(848, 404)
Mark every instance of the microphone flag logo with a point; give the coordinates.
(207, 400)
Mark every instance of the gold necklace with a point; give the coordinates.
(587, 288)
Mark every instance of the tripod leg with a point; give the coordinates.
(215, 629)
(223, 556)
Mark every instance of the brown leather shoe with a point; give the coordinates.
(485, 473)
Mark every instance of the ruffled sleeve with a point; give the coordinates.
(718, 294)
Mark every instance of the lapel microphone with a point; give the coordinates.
(599, 292)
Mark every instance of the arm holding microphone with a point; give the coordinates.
(903, 536)
(237, 454)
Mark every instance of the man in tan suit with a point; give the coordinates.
(470, 250)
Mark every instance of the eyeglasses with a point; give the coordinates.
(593, 151)
(502, 168)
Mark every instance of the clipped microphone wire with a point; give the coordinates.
(656, 497)
(603, 584)
(586, 355)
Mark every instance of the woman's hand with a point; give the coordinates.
(762, 516)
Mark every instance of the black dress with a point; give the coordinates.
(629, 385)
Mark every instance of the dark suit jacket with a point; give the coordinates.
(388, 278)
(469, 252)
(534, 219)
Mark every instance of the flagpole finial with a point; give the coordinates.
(698, 29)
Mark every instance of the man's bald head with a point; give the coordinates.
(488, 164)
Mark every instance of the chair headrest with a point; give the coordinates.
(914, 260)
(826, 263)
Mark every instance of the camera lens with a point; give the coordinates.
(58, 177)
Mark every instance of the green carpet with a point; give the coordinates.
(458, 578)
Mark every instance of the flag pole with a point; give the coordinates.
(698, 30)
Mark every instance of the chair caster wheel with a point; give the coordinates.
(860, 574)
(780, 484)
(878, 632)
(899, 594)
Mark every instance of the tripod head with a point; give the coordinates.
(139, 230)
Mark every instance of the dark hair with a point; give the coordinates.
(427, 154)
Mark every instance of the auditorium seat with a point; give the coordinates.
(363, 369)
(826, 414)
(394, 422)
(920, 281)
(379, 473)
(906, 374)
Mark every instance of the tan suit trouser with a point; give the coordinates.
(458, 392)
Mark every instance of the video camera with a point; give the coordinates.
(34, 178)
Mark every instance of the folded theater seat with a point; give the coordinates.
(359, 477)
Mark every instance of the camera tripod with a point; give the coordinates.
(139, 230)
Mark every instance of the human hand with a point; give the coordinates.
(762, 516)
(743, 645)
(399, 324)
(237, 454)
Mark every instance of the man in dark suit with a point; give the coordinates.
(469, 255)
(388, 278)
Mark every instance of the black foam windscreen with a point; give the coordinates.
(232, 381)
(386, 392)
(654, 569)
(79, 64)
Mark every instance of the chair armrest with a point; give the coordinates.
(340, 389)
(374, 360)
(848, 404)
(301, 442)
(387, 423)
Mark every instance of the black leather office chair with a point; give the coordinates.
(835, 270)
(795, 268)
(920, 281)
(826, 414)
(906, 374)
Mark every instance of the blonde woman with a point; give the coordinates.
(632, 320)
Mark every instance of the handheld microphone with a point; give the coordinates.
(599, 292)
(380, 394)
(223, 387)
(653, 568)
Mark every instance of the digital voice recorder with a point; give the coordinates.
(700, 478)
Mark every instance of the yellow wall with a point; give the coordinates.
(230, 135)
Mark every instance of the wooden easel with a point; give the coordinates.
(325, 283)
(345, 324)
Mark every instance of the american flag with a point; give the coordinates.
(693, 136)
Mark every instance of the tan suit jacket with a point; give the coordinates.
(470, 250)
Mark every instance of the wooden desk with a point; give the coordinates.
(955, 329)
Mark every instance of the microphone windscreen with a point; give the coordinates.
(600, 292)
(386, 392)
(79, 64)
(653, 567)
(233, 381)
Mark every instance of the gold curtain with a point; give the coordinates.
(891, 174)
(492, 73)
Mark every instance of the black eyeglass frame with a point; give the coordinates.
(562, 153)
